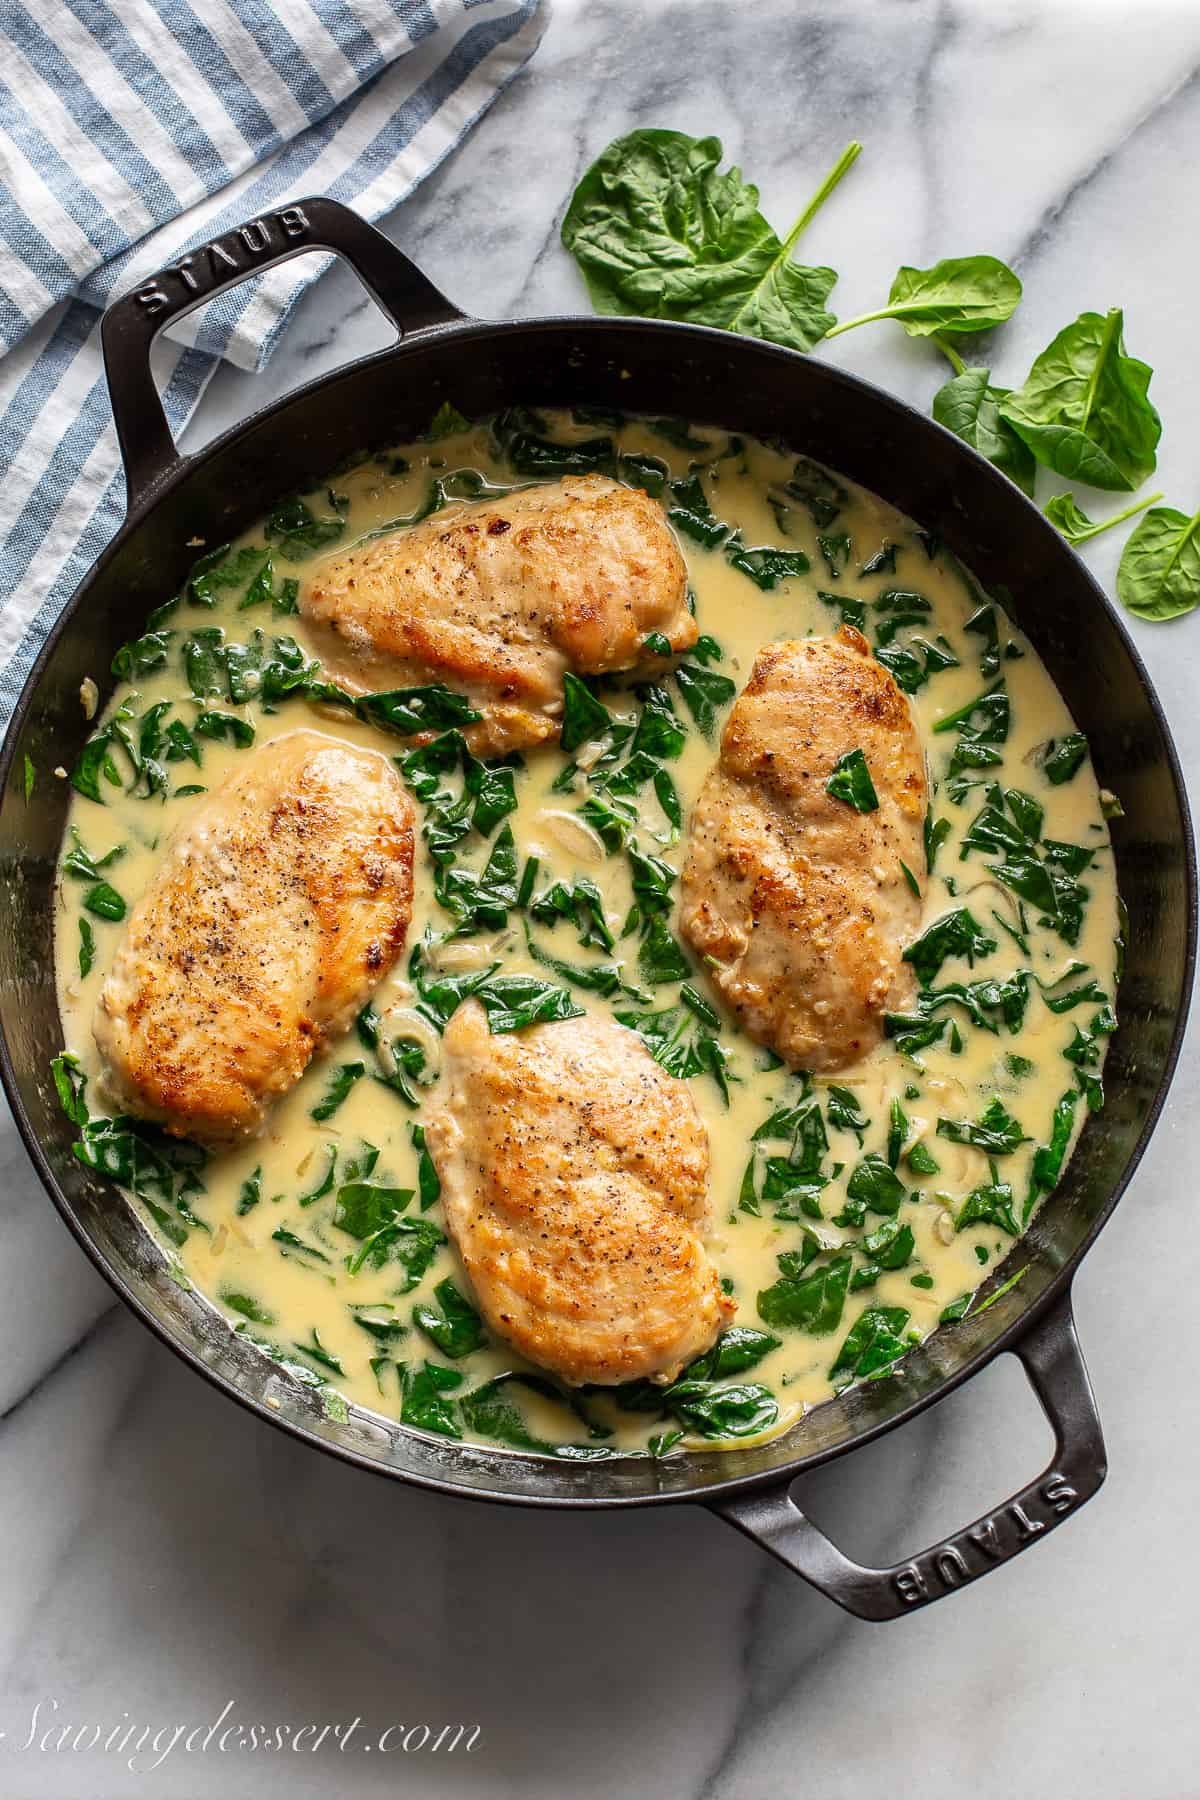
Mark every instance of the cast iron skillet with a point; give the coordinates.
(722, 380)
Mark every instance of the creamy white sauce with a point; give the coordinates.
(238, 1254)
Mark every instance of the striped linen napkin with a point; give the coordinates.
(131, 132)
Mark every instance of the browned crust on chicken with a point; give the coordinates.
(797, 902)
(277, 910)
(574, 1176)
(498, 598)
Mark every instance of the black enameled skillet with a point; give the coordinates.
(718, 379)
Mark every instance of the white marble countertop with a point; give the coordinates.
(164, 1555)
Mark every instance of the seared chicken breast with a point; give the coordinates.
(797, 902)
(498, 598)
(275, 913)
(574, 1176)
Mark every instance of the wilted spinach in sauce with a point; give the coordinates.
(852, 1215)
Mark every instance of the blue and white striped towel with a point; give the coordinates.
(132, 130)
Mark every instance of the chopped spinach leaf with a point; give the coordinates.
(735, 1410)
(876, 1185)
(456, 1328)
(851, 782)
(340, 1084)
(584, 717)
(957, 933)
(996, 1131)
(811, 1302)
(1061, 758)
(873, 1343)
(424, 1402)
(299, 532)
(989, 1204)
(704, 692)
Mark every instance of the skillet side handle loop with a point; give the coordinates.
(1054, 1363)
(132, 323)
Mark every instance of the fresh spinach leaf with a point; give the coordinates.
(658, 230)
(969, 406)
(1159, 574)
(961, 294)
(1064, 511)
(1084, 410)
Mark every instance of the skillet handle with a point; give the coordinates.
(132, 323)
(1054, 1364)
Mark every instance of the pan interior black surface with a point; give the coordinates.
(724, 382)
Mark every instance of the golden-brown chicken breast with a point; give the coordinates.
(574, 1175)
(277, 910)
(796, 900)
(499, 597)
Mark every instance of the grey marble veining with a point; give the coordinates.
(164, 1554)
